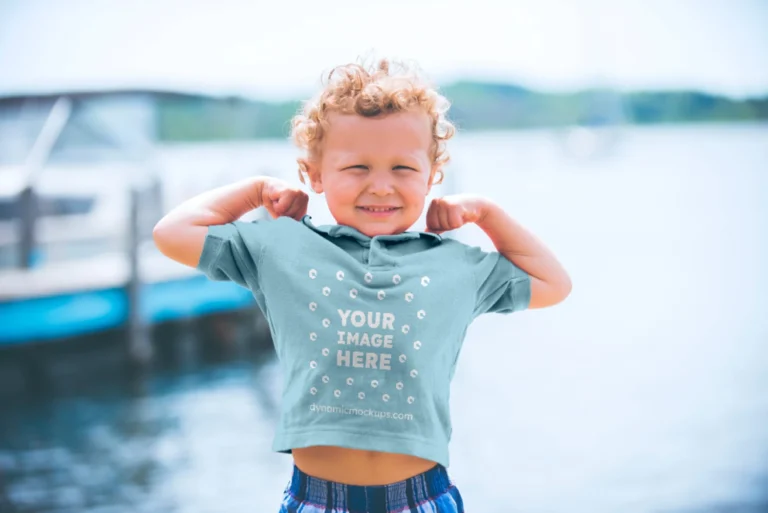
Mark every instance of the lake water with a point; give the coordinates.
(645, 391)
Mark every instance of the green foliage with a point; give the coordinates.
(199, 118)
(475, 106)
(666, 107)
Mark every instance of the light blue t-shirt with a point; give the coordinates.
(367, 329)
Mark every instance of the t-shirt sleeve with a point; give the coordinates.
(233, 252)
(500, 285)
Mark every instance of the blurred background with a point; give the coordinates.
(630, 137)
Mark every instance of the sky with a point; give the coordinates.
(276, 50)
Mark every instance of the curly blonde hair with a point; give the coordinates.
(369, 92)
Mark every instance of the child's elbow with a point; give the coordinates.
(549, 293)
(562, 289)
(180, 242)
(160, 234)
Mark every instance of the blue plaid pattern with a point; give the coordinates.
(429, 492)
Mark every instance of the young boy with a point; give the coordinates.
(368, 318)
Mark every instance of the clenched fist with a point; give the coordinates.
(452, 212)
(282, 199)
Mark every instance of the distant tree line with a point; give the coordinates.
(475, 106)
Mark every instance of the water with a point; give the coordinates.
(645, 391)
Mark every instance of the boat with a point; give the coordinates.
(79, 194)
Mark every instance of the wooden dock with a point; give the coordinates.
(82, 296)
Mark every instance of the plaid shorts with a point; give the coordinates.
(432, 491)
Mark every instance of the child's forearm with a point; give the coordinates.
(526, 251)
(180, 234)
(219, 206)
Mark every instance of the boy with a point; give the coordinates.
(367, 317)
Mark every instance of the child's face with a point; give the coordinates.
(375, 162)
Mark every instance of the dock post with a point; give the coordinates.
(188, 344)
(140, 349)
(27, 204)
(243, 333)
(38, 156)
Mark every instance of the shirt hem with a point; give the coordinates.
(367, 441)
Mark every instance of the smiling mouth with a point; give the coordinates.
(378, 210)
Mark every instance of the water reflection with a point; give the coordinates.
(149, 441)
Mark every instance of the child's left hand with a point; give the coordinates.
(451, 212)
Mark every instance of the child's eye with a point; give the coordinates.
(365, 168)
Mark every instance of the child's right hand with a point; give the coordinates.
(282, 199)
(180, 234)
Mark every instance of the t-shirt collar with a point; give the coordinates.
(341, 230)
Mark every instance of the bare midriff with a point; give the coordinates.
(358, 467)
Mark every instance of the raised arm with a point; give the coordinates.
(180, 235)
(550, 283)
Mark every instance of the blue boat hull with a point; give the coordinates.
(72, 314)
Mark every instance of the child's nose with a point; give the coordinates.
(380, 184)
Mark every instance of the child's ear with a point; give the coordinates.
(437, 170)
(310, 168)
